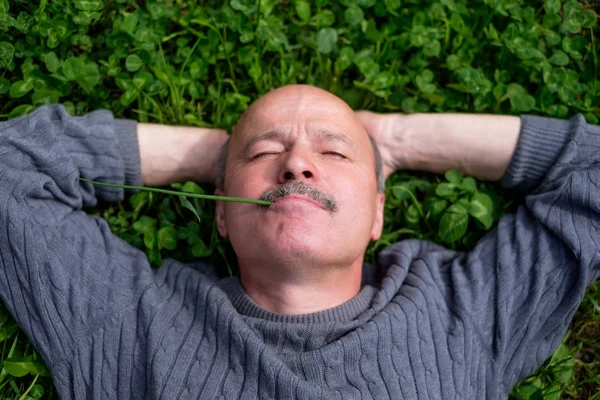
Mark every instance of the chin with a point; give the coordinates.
(298, 247)
(293, 241)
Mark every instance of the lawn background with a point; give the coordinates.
(202, 63)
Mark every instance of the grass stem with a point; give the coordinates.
(186, 194)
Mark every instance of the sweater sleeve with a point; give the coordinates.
(61, 270)
(522, 284)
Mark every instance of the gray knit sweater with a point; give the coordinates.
(440, 324)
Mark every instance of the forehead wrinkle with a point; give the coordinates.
(329, 136)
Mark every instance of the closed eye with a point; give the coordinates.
(335, 154)
(256, 156)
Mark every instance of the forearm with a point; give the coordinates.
(477, 145)
(172, 154)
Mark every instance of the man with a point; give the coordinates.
(306, 319)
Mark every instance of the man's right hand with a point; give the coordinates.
(388, 132)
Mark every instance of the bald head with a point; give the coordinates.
(302, 97)
(293, 104)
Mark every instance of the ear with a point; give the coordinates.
(378, 225)
(220, 214)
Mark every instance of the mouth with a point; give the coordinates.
(298, 198)
(294, 190)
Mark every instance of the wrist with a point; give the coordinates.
(397, 130)
(207, 145)
(388, 131)
(421, 142)
(171, 154)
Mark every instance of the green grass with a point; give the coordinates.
(202, 63)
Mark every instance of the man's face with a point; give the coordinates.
(301, 138)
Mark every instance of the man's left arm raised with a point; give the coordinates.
(520, 287)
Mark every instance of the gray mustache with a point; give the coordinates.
(299, 187)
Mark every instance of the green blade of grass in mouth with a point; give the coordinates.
(186, 194)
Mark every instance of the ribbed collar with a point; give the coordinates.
(347, 311)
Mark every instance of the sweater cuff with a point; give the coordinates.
(129, 148)
(540, 143)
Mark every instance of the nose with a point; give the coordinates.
(299, 165)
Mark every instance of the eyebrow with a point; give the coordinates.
(276, 135)
(267, 136)
(331, 136)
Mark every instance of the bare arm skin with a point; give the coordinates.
(171, 154)
(477, 145)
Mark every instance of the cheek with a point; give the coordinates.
(247, 182)
(357, 195)
(355, 183)
(240, 220)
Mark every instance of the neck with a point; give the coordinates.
(316, 290)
